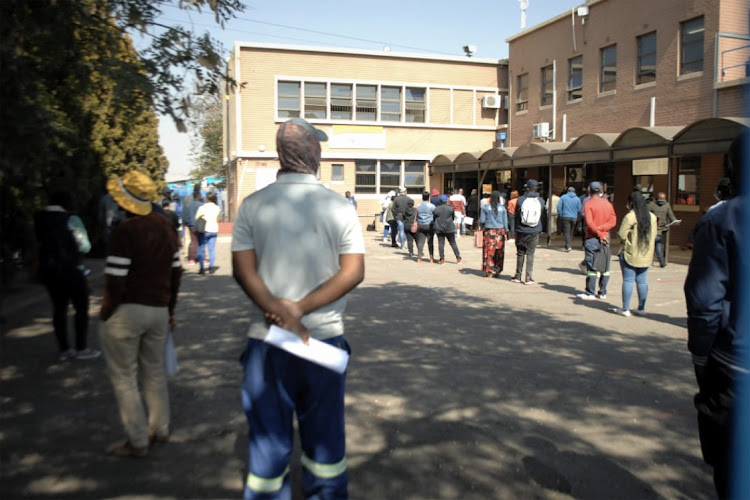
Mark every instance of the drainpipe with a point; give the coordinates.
(652, 113)
(554, 99)
(564, 127)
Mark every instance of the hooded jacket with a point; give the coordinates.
(569, 205)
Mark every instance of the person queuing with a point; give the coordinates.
(210, 212)
(664, 214)
(329, 262)
(399, 206)
(494, 222)
(600, 219)
(529, 214)
(569, 207)
(637, 236)
(511, 207)
(425, 229)
(445, 228)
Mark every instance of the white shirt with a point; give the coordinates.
(210, 212)
(298, 230)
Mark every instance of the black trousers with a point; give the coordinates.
(425, 233)
(64, 288)
(568, 225)
(525, 248)
(441, 244)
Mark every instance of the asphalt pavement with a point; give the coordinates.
(459, 386)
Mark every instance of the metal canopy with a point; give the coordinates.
(588, 148)
(644, 142)
(468, 162)
(712, 135)
(537, 154)
(497, 158)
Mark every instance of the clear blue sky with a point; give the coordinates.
(436, 27)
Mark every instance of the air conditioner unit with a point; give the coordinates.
(575, 174)
(491, 101)
(540, 130)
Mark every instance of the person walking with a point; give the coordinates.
(445, 228)
(637, 237)
(569, 207)
(600, 218)
(664, 214)
(210, 212)
(529, 214)
(142, 280)
(493, 221)
(328, 262)
(189, 220)
(425, 229)
(62, 240)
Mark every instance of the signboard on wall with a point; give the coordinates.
(356, 137)
(651, 166)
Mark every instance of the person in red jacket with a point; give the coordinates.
(600, 218)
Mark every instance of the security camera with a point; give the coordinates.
(469, 50)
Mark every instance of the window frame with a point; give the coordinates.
(385, 89)
(365, 188)
(695, 64)
(412, 174)
(688, 166)
(341, 101)
(312, 101)
(607, 78)
(642, 75)
(547, 86)
(522, 92)
(415, 107)
(359, 103)
(334, 167)
(290, 111)
(575, 71)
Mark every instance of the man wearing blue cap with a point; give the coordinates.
(600, 218)
(297, 250)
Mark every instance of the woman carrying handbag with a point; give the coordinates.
(493, 221)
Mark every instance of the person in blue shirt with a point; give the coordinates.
(569, 207)
(351, 199)
(425, 229)
(493, 220)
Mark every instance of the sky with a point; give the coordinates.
(440, 27)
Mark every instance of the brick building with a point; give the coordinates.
(630, 92)
(386, 114)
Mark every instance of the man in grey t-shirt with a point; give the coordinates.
(297, 250)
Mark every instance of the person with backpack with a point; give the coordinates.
(529, 213)
(62, 241)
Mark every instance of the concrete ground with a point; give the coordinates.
(459, 387)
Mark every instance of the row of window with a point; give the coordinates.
(691, 61)
(350, 101)
(381, 176)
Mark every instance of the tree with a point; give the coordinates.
(78, 103)
(206, 142)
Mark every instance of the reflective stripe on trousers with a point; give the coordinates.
(266, 485)
(324, 471)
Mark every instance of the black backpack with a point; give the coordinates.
(58, 251)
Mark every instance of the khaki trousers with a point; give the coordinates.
(133, 341)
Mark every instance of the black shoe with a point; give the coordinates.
(202, 271)
(663, 265)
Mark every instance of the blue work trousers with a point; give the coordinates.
(276, 384)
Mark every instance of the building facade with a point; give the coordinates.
(386, 114)
(589, 82)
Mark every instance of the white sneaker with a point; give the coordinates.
(601, 296)
(625, 313)
(88, 354)
(586, 296)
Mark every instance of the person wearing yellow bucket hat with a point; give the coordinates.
(142, 279)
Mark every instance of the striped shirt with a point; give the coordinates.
(143, 265)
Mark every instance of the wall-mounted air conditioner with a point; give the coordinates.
(540, 130)
(575, 174)
(492, 101)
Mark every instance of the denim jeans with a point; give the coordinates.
(632, 274)
(568, 225)
(659, 248)
(207, 239)
(401, 233)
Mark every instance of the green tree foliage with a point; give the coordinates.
(206, 142)
(78, 103)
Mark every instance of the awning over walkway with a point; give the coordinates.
(644, 142)
(468, 162)
(712, 135)
(497, 158)
(536, 154)
(588, 148)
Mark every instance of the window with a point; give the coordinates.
(289, 101)
(608, 73)
(315, 100)
(575, 78)
(691, 46)
(390, 175)
(390, 104)
(341, 101)
(367, 103)
(547, 88)
(688, 180)
(337, 172)
(522, 92)
(646, 71)
(414, 177)
(364, 179)
(415, 105)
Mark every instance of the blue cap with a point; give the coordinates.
(443, 197)
(532, 183)
(595, 186)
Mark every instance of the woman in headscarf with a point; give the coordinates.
(493, 219)
(638, 236)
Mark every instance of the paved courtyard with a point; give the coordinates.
(459, 387)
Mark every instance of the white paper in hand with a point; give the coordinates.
(316, 351)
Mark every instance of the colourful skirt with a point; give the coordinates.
(494, 251)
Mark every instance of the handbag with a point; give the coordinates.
(200, 225)
(414, 225)
(478, 238)
(170, 356)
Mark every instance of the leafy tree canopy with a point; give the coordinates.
(206, 145)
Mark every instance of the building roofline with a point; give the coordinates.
(553, 20)
(365, 52)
